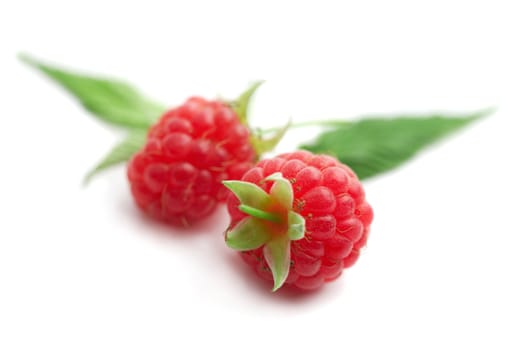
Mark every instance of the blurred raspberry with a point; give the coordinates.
(177, 175)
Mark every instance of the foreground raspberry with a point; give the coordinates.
(177, 175)
(298, 219)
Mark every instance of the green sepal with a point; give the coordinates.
(263, 145)
(295, 226)
(248, 234)
(241, 104)
(277, 255)
(281, 190)
(248, 193)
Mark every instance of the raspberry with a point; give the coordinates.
(177, 175)
(322, 228)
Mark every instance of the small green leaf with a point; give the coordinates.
(277, 255)
(263, 145)
(372, 146)
(241, 104)
(248, 193)
(122, 152)
(281, 190)
(247, 235)
(112, 101)
(295, 226)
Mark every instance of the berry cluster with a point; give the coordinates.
(299, 218)
(177, 175)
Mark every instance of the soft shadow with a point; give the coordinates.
(290, 295)
(215, 223)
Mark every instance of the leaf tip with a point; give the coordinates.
(257, 83)
(276, 287)
(86, 181)
(278, 281)
(22, 56)
(277, 176)
(486, 112)
(27, 59)
(277, 255)
(229, 184)
(240, 105)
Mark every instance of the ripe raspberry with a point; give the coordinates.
(298, 219)
(177, 175)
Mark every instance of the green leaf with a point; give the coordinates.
(241, 104)
(372, 146)
(277, 255)
(247, 235)
(122, 152)
(112, 101)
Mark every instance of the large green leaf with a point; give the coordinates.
(112, 101)
(372, 146)
(122, 152)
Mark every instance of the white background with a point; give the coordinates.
(444, 267)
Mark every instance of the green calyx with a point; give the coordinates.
(259, 139)
(271, 223)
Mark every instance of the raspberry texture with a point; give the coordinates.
(330, 198)
(177, 175)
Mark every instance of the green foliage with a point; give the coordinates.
(110, 100)
(372, 146)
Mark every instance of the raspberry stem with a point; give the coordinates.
(259, 214)
(328, 123)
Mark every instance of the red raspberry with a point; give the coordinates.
(330, 202)
(177, 175)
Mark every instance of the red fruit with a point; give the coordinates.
(326, 198)
(177, 175)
